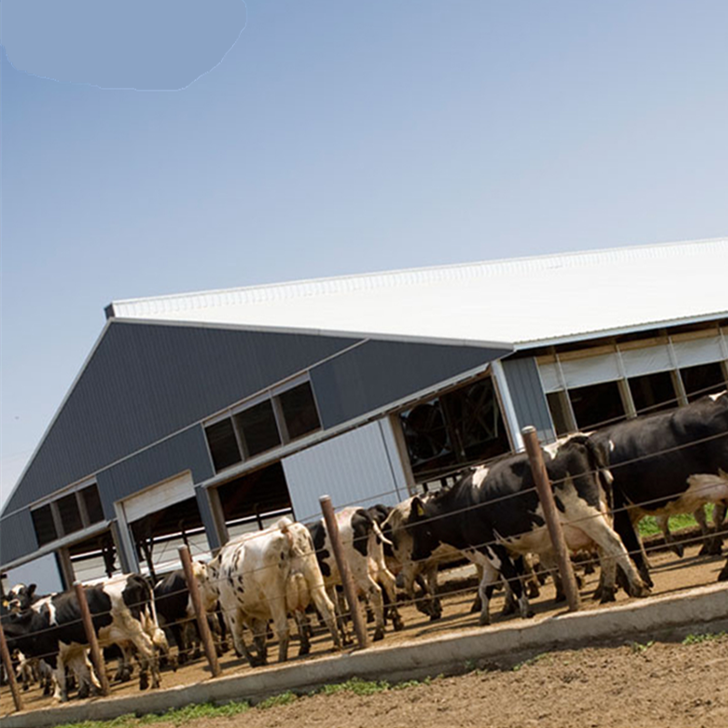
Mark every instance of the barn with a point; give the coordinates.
(200, 416)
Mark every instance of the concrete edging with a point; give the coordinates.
(699, 608)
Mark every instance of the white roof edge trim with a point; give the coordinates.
(364, 336)
(587, 335)
(156, 305)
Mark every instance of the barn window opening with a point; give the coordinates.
(652, 392)
(223, 444)
(70, 514)
(92, 503)
(560, 415)
(299, 411)
(259, 428)
(703, 379)
(597, 405)
(44, 524)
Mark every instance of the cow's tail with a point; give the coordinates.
(381, 538)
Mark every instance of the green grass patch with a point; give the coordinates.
(275, 700)
(530, 661)
(648, 525)
(638, 648)
(357, 686)
(176, 716)
(696, 639)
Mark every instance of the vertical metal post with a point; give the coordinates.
(88, 627)
(8, 664)
(546, 496)
(332, 528)
(200, 612)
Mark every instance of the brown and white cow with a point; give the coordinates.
(262, 576)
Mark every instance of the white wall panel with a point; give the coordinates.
(550, 377)
(646, 360)
(590, 370)
(360, 467)
(697, 351)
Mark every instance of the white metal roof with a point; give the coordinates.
(527, 301)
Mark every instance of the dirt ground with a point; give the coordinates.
(663, 685)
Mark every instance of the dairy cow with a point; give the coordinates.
(122, 614)
(262, 576)
(362, 541)
(493, 515)
(176, 613)
(667, 463)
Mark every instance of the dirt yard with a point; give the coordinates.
(660, 685)
(663, 685)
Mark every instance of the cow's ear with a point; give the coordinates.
(31, 589)
(418, 509)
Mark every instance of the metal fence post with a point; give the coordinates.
(349, 592)
(8, 664)
(200, 612)
(96, 658)
(546, 496)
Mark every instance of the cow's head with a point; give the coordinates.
(21, 597)
(207, 580)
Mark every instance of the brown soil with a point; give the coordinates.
(664, 685)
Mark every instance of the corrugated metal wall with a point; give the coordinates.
(360, 464)
(185, 451)
(528, 398)
(147, 381)
(380, 372)
(17, 537)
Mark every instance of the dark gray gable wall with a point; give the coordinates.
(380, 372)
(147, 381)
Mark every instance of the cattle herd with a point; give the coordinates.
(604, 482)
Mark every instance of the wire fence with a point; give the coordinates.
(484, 507)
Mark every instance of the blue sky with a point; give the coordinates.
(322, 138)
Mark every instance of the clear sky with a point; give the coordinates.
(283, 139)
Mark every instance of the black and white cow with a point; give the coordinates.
(264, 576)
(176, 613)
(363, 542)
(122, 614)
(667, 463)
(493, 515)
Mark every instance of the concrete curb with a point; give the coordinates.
(703, 608)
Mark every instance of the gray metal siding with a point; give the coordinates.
(146, 381)
(355, 468)
(379, 372)
(185, 451)
(17, 537)
(528, 397)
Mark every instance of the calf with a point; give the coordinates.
(257, 575)
(494, 512)
(667, 463)
(121, 613)
(362, 541)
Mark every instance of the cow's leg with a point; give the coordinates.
(627, 531)
(259, 628)
(327, 610)
(388, 582)
(512, 574)
(663, 523)
(477, 605)
(712, 538)
(304, 632)
(374, 592)
(594, 524)
(488, 580)
(60, 693)
(340, 607)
